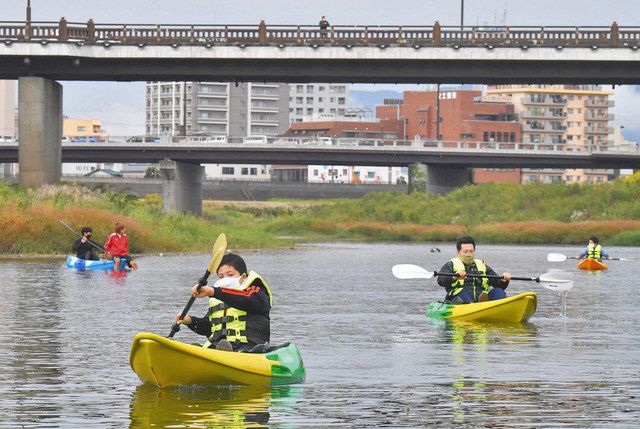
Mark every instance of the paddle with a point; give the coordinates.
(559, 257)
(97, 246)
(219, 247)
(554, 281)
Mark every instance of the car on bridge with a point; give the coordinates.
(143, 139)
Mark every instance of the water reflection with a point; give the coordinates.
(471, 362)
(203, 406)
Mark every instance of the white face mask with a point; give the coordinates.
(591, 245)
(228, 282)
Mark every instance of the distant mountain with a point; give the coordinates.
(370, 99)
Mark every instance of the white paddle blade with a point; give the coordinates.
(410, 271)
(558, 281)
(556, 257)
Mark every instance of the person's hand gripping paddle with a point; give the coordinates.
(219, 247)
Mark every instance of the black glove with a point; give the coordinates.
(202, 281)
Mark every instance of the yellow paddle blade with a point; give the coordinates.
(219, 247)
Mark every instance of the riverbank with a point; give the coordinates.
(492, 213)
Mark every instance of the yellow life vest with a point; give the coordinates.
(458, 285)
(238, 326)
(595, 252)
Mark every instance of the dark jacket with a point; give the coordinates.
(85, 250)
(471, 285)
(254, 300)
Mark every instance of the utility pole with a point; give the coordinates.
(461, 14)
(28, 21)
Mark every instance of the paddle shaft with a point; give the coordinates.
(485, 276)
(176, 326)
(79, 235)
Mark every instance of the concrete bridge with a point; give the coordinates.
(39, 53)
(294, 53)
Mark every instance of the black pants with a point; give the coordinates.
(90, 255)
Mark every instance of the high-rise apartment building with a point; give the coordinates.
(213, 108)
(573, 117)
(223, 109)
(318, 101)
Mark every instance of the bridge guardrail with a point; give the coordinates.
(310, 35)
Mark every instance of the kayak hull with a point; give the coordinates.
(591, 264)
(514, 309)
(83, 264)
(165, 362)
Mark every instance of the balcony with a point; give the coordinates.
(544, 101)
(599, 103)
(595, 117)
(598, 130)
(543, 128)
(546, 114)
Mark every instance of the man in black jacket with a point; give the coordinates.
(83, 247)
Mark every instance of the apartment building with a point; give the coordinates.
(8, 129)
(570, 117)
(219, 109)
(313, 101)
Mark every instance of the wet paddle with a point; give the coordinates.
(559, 281)
(97, 246)
(219, 247)
(559, 257)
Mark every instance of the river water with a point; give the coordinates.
(372, 357)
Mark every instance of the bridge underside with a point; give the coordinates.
(324, 64)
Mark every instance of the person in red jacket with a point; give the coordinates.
(117, 247)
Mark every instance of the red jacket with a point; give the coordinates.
(117, 244)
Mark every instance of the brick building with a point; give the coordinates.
(464, 117)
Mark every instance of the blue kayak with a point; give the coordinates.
(100, 264)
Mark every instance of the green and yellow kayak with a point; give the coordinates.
(514, 309)
(591, 264)
(165, 362)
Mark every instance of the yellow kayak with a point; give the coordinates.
(514, 309)
(165, 362)
(591, 264)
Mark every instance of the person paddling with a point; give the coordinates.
(239, 306)
(465, 290)
(83, 246)
(594, 250)
(117, 248)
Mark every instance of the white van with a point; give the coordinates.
(216, 139)
(256, 140)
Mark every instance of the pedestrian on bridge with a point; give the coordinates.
(324, 25)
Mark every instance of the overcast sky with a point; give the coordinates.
(120, 106)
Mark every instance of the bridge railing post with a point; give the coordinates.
(158, 34)
(366, 34)
(63, 31)
(91, 31)
(298, 38)
(193, 34)
(437, 35)
(614, 35)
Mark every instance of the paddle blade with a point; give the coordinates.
(556, 257)
(219, 247)
(409, 271)
(558, 281)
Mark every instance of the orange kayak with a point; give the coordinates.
(591, 264)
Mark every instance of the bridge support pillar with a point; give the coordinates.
(40, 131)
(181, 186)
(437, 179)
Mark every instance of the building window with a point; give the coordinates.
(254, 171)
(315, 173)
(371, 174)
(228, 170)
(244, 171)
(82, 128)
